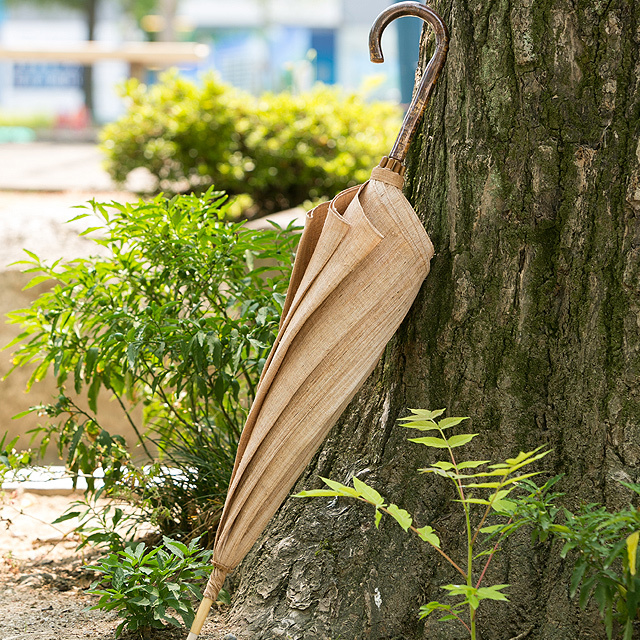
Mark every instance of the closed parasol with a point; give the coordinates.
(361, 261)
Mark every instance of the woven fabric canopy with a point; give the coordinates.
(361, 261)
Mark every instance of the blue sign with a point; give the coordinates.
(47, 75)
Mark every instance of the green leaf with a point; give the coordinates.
(499, 495)
(342, 489)
(428, 535)
(447, 423)
(366, 492)
(492, 593)
(421, 425)
(118, 578)
(36, 281)
(435, 443)
(133, 349)
(89, 230)
(483, 485)
(92, 393)
(378, 518)
(177, 548)
(66, 516)
(472, 464)
(585, 590)
(317, 493)
(492, 528)
(279, 299)
(504, 506)
(459, 589)
(445, 466)
(424, 414)
(430, 607)
(576, 577)
(632, 547)
(402, 517)
(461, 439)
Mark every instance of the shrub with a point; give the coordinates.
(180, 132)
(280, 149)
(603, 546)
(142, 585)
(178, 318)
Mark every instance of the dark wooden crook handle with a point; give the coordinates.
(429, 78)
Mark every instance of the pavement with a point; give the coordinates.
(56, 167)
(42, 186)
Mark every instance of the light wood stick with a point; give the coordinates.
(201, 616)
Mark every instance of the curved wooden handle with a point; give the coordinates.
(430, 76)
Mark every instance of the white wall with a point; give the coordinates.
(321, 14)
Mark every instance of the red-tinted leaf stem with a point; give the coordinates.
(493, 552)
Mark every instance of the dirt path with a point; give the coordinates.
(43, 578)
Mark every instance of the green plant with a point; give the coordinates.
(497, 480)
(604, 545)
(311, 145)
(279, 149)
(12, 460)
(175, 318)
(180, 132)
(101, 525)
(143, 585)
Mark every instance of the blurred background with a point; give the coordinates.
(296, 112)
(47, 84)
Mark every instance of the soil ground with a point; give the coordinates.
(43, 579)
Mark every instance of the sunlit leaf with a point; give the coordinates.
(428, 535)
(447, 423)
(435, 443)
(402, 517)
(367, 492)
(460, 439)
(632, 548)
(341, 489)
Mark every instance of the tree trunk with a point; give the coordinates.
(90, 14)
(527, 177)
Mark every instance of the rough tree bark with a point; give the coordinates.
(527, 176)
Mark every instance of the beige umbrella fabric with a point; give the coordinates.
(361, 261)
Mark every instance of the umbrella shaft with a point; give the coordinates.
(201, 616)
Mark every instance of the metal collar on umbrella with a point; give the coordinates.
(325, 350)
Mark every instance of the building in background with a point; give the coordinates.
(256, 45)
